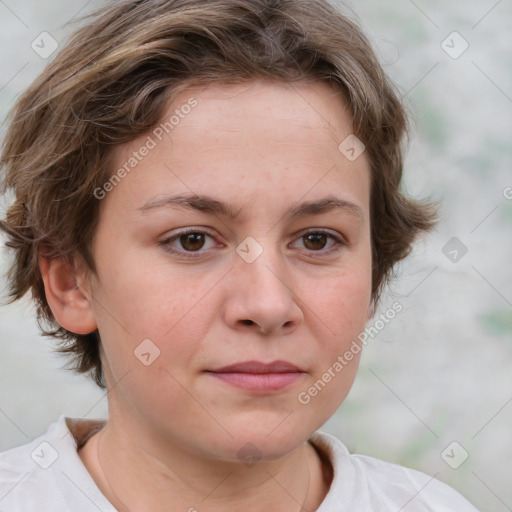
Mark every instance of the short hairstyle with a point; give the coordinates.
(112, 82)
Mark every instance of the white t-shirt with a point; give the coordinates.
(47, 475)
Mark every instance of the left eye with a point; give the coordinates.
(317, 240)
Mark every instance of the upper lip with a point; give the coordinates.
(259, 367)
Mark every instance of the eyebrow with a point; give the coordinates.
(210, 205)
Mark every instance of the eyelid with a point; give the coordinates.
(335, 234)
(339, 240)
(182, 232)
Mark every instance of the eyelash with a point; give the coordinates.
(339, 243)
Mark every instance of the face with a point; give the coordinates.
(233, 269)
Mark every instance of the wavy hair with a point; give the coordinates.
(111, 83)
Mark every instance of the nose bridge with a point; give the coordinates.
(262, 286)
(264, 265)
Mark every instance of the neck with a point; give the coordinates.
(132, 478)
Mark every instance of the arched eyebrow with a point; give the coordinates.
(209, 205)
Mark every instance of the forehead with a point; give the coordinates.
(260, 136)
(307, 110)
(268, 105)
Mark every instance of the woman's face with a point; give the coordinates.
(234, 268)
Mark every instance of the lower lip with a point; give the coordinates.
(259, 382)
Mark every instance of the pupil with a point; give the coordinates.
(192, 241)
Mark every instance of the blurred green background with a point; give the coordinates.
(441, 370)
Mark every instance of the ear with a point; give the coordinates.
(70, 302)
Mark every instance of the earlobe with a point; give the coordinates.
(70, 302)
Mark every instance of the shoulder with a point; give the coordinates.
(24, 476)
(48, 474)
(420, 492)
(361, 481)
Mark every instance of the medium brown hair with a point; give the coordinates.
(112, 82)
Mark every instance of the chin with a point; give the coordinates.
(256, 441)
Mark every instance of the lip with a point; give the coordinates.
(259, 367)
(259, 377)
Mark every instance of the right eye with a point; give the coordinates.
(186, 241)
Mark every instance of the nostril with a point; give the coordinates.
(247, 322)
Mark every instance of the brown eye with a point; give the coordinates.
(323, 243)
(189, 243)
(315, 241)
(192, 241)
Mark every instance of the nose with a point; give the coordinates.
(261, 296)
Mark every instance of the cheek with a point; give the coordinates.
(152, 295)
(342, 300)
(172, 309)
(340, 310)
